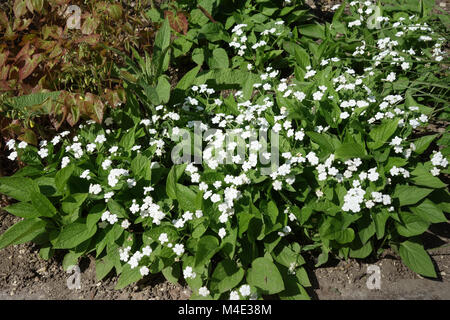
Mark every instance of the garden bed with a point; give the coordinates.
(356, 104)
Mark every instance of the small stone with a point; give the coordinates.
(443, 273)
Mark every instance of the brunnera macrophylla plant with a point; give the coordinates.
(351, 176)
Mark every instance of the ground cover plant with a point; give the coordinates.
(303, 139)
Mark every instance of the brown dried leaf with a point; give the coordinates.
(89, 25)
(3, 57)
(20, 8)
(178, 21)
(30, 65)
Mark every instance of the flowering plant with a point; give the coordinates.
(230, 190)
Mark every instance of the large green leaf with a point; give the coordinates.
(350, 150)
(127, 277)
(18, 188)
(410, 195)
(416, 258)
(428, 211)
(265, 275)
(22, 209)
(73, 234)
(412, 224)
(382, 133)
(141, 167)
(206, 248)
(42, 204)
(23, 231)
(226, 276)
(219, 59)
(62, 176)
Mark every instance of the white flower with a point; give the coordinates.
(317, 95)
(144, 271)
(12, 156)
(100, 139)
(43, 153)
(222, 233)
(188, 273)
(396, 141)
(234, 295)
(11, 144)
(277, 185)
(85, 175)
(95, 189)
(112, 218)
(178, 249)
(215, 198)
(108, 196)
(22, 145)
(203, 291)
(125, 224)
(391, 77)
(106, 164)
(245, 290)
(344, 115)
(163, 238)
(435, 171)
(146, 251)
(373, 174)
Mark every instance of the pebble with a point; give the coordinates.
(443, 273)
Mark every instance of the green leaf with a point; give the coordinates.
(128, 139)
(302, 57)
(172, 273)
(186, 198)
(345, 236)
(350, 150)
(265, 275)
(42, 205)
(72, 235)
(323, 140)
(33, 99)
(163, 89)
(22, 209)
(206, 248)
(161, 56)
(362, 252)
(382, 133)
(70, 259)
(141, 167)
(422, 143)
(219, 59)
(171, 184)
(428, 211)
(226, 276)
(416, 258)
(408, 195)
(18, 188)
(103, 267)
(412, 224)
(127, 277)
(313, 30)
(116, 208)
(380, 222)
(272, 211)
(23, 231)
(423, 177)
(62, 176)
